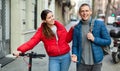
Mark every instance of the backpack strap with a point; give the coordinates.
(91, 25)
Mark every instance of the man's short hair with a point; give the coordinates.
(84, 4)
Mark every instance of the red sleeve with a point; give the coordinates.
(31, 43)
(69, 35)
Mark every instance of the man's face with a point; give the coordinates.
(85, 12)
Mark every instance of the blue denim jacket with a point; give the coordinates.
(101, 38)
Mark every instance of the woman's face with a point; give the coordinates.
(50, 19)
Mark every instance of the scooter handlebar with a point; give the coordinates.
(32, 54)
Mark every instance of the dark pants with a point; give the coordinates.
(83, 67)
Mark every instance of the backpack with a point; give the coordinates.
(106, 49)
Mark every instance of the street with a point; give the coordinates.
(21, 64)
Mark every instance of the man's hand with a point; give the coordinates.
(74, 58)
(90, 36)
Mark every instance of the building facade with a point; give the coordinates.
(4, 27)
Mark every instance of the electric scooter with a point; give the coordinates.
(31, 55)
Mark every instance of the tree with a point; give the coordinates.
(109, 9)
(93, 7)
(107, 12)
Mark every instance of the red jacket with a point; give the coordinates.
(52, 46)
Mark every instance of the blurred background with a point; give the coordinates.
(19, 19)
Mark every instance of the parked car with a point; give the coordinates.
(73, 18)
(117, 23)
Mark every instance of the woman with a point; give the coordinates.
(55, 39)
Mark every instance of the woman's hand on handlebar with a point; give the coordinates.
(17, 53)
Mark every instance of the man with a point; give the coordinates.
(86, 46)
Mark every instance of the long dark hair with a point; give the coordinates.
(46, 30)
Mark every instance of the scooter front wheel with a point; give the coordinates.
(115, 57)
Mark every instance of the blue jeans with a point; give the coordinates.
(60, 63)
